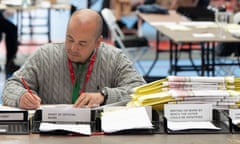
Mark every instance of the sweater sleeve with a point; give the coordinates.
(14, 89)
(124, 78)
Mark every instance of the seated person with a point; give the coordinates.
(82, 71)
(197, 11)
(123, 10)
(188, 3)
(228, 49)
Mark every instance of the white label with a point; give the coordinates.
(234, 114)
(66, 114)
(188, 112)
(197, 79)
(11, 116)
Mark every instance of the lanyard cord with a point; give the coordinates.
(77, 85)
(76, 90)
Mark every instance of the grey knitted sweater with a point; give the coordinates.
(47, 74)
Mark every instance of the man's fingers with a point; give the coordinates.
(89, 100)
(92, 103)
(32, 100)
(82, 100)
(77, 103)
(29, 101)
(37, 98)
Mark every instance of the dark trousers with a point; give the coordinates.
(10, 31)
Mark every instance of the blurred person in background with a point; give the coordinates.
(11, 41)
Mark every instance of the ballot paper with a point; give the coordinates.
(84, 129)
(177, 126)
(162, 23)
(235, 116)
(203, 35)
(199, 24)
(126, 119)
(177, 27)
(65, 118)
(236, 122)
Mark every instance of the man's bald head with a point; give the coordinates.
(89, 17)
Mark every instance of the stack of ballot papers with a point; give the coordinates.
(193, 117)
(221, 92)
(84, 129)
(177, 126)
(65, 118)
(125, 119)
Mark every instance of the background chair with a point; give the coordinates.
(32, 23)
(132, 45)
(228, 54)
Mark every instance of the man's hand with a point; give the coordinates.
(89, 100)
(29, 101)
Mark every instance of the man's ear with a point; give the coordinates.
(98, 41)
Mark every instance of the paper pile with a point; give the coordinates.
(125, 119)
(222, 92)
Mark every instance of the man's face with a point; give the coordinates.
(80, 41)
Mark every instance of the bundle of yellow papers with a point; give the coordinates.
(159, 92)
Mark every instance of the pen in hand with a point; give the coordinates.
(26, 85)
(27, 102)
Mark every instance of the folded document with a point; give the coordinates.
(84, 129)
(175, 126)
(126, 119)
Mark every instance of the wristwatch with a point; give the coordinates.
(104, 94)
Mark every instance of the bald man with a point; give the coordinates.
(83, 71)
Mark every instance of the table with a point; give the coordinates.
(155, 18)
(207, 51)
(20, 19)
(178, 37)
(123, 139)
(159, 138)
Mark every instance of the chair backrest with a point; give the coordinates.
(133, 47)
(110, 19)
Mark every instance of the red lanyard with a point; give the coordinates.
(89, 71)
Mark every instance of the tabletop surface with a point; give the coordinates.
(172, 25)
(121, 139)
